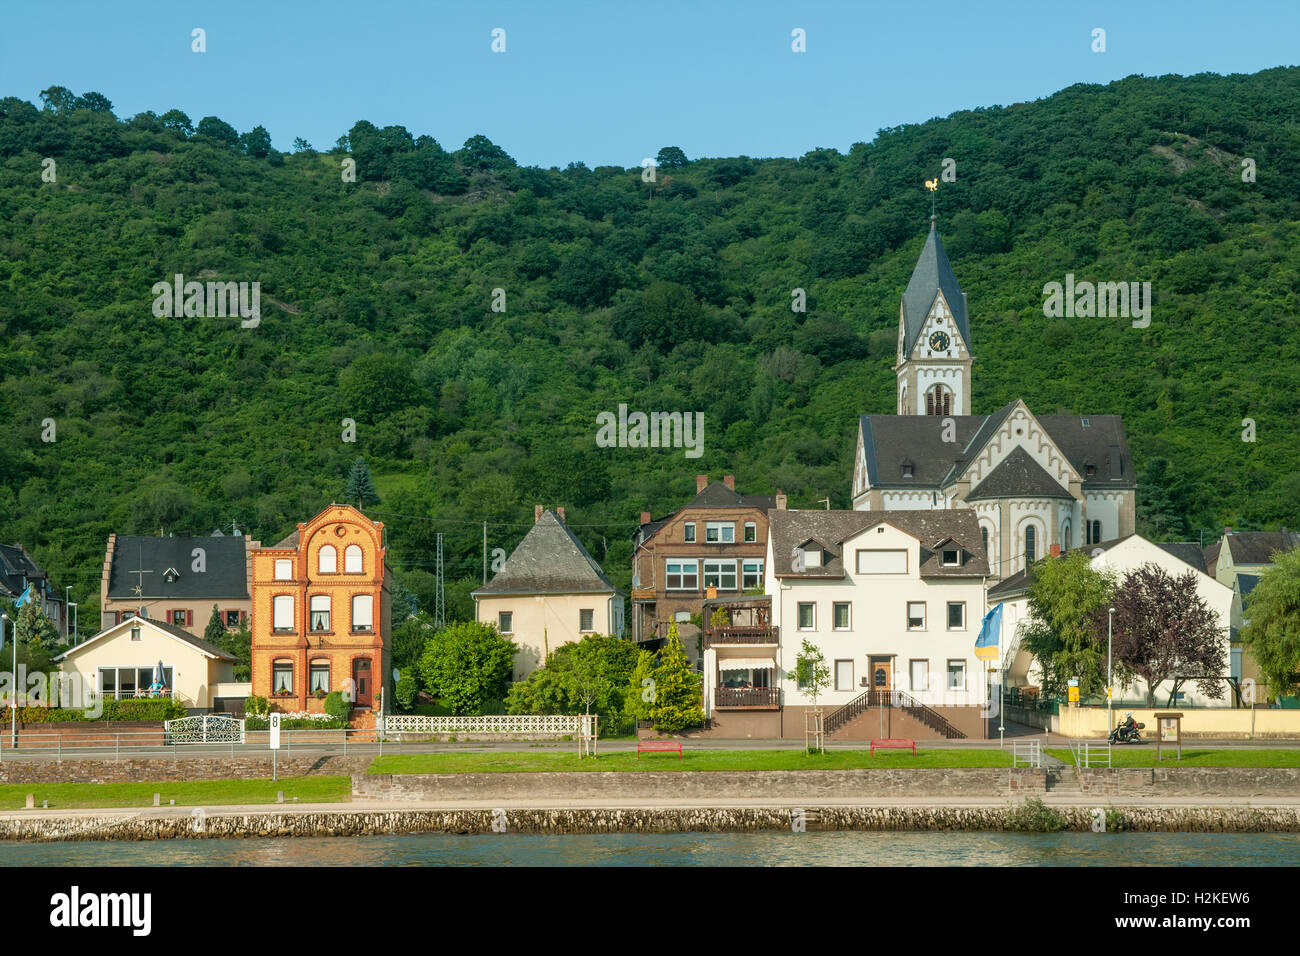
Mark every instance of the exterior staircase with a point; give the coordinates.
(861, 707)
(1063, 782)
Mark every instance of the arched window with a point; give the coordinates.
(329, 559)
(984, 534)
(938, 401)
(902, 401)
(1065, 537)
(1096, 532)
(1029, 544)
(352, 559)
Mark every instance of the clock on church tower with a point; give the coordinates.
(934, 354)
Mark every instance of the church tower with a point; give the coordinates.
(934, 353)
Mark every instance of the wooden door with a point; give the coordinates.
(362, 682)
(882, 673)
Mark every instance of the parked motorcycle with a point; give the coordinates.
(1128, 731)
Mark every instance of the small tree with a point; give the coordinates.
(642, 689)
(1164, 630)
(1064, 593)
(812, 677)
(215, 632)
(34, 628)
(677, 689)
(1272, 630)
(467, 665)
(360, 486)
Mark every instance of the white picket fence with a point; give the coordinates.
(531, 725)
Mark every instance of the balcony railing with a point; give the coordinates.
(747, 697)
(742, 635)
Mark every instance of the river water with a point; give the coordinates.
(840, 848)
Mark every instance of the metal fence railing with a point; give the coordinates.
(1090, 753)
(1028, 752)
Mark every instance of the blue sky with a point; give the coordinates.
(608, 83)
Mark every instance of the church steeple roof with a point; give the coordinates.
(933, 273)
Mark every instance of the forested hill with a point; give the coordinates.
(672, 295)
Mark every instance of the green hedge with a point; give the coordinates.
(114, 710)
(299, 723)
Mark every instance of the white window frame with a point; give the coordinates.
(284, 569)
(751, 566)
(836, 666)
(688, 532)
(948, 615)
(857, 563)
(330, 567)
(909, 615)
(590, 614)
(911, 673)
(948, 673)
(751, 526)
(943, 557)
(721, 529)
(349, 565)
(719, 569)
(798, 615)
(282, 609)
(505, 622)
(683, 564)
(835, 606)
(366, 601)
(314, 607)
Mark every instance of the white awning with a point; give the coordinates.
(746, 663)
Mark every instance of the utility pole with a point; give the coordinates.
(439, 599)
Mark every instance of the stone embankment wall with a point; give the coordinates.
(249, 767)
(1193, 781)
(215, 825)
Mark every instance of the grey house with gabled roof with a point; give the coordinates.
(1034, 481)
(549, 592)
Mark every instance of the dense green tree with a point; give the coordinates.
(175, 119)
(671, 157)
(256, 142)
(215, 631)
(360, 487)
(588, 676)
(1272, 630)
(1064, 593)
(467, 665)
(217, 130)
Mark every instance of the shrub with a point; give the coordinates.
(158, 709)
(337, 707)
(406, 692)
(256, 706)
(1034, 816)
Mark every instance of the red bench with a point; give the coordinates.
(894, 743)
(658, 746)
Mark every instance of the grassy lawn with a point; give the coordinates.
(1144, 755)
(186, 793)
(512, 761)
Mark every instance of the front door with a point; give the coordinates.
(361, 681)
(882, 673)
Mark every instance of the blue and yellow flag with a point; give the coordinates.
(986, 645)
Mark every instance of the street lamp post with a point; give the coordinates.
(1110, 621)
(13, 700)
(67, 610)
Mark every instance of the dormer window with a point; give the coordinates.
(170, 575)
(950, 558)
(1089, 471)
(812, 557)
(908, 469)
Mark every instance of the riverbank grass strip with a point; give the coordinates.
(1144, 755)
(186, 793)
(523, 762)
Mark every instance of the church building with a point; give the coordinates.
(1034, 481)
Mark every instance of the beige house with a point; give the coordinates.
(549, 592)
(121, 662)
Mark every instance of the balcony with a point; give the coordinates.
(735, 634)
(748, 698)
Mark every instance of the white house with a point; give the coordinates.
(892, 599)
(1120, 556)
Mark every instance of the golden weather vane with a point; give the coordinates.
(933, 186)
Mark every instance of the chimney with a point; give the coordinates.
(560, 512)
(537, 513)
(730, 482)
(645, 517)
(780, 500)
(1228, 530)
(701, 482)
(1055, 550)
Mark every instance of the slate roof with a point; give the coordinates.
(932, 273)
(889, 440)
(197, 642)
(1018, 476)
(1247, 583)
(1257, 547)
(1011, 586)
(17, 569)
(715, 495)
(789, 529)
(226, 563)
(1212, 554)
(550, 560)
(1187, 552)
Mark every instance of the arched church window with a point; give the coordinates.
(938, 401)
(1029, 544)
(984, 534)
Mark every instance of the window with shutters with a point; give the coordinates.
(178, 618)
(586, 620)
(282, 612)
